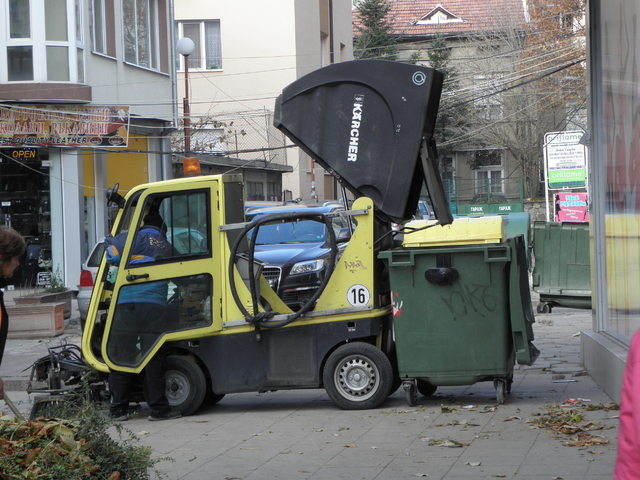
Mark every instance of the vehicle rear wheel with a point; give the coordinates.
(358, 376)
(186, 384)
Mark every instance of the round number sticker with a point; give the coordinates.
(358, 295)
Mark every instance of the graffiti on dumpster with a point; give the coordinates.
(471, 299)
(396, 304)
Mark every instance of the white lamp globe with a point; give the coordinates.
(185, 46)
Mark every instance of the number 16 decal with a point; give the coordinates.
(358, 295)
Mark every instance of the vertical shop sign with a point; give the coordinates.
(64, 126)
(571, 207)
(566, 160)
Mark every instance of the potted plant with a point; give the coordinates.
(54, 292)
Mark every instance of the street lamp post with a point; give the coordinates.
(185, 47)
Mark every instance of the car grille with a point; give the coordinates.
(297, 298)
(272, 276)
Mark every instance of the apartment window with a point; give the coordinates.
(103, 31)
(488, 97)
(140, 25)
(43, 42)
(489, 172)
(19, 21)
(447, 173)
(207, 54)
(20, 63)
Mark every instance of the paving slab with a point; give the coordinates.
(302, 435)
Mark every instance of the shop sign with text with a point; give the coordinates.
(566, 160)
(63, 126)
(571, 207)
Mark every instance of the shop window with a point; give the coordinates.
(273, 192)
(25, 207)
(255, 191)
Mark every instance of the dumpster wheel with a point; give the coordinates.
(425, 388)
(500, 385)
(411, 392)
(543, 307)
(358, 376)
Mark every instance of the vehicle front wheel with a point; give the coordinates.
(186, 384)
(358, 376)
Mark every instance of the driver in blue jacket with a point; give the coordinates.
(138, 320)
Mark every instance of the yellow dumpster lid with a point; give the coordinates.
(462, 231)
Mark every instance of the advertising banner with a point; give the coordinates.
(63, 126)
(566, 160)
(571, 207)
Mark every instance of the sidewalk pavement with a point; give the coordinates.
(460, 432)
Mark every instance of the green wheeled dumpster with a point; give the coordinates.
(562, 270)
(462, 314)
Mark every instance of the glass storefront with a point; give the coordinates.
(26, 207)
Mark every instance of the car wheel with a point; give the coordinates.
(358, 376)
(186, 384)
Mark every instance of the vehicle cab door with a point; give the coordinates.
(157, 285)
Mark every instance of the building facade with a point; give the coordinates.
(614, 116)
(86, 100)
(244, 56)
(491, 127)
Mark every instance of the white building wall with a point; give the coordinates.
(265, 47)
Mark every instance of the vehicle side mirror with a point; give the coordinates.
(113, 197)
(344, 235)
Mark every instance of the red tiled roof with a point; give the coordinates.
(476, 16)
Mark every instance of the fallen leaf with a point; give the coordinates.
(420, 474)
(350, 445)
(515, 417)
(473, 464)
(448, 443)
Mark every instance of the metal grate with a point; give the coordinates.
(297, 298)
(272, 276)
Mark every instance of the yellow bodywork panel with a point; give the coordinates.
(349, 295)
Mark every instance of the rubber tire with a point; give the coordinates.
(397, 381)
(411, 395)
(359, 357)
(543, 308)
(500, 385)
(186, 384)
(425, 388)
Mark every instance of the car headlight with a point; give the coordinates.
(308, 266)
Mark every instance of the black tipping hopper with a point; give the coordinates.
(370, 123)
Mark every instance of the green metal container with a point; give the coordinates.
(562, 270)
(462, 314)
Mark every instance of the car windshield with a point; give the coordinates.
(96, 256)
(304, 231)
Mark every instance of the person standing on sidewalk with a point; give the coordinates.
(140, 312)
(628, 459)
(12, 246)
